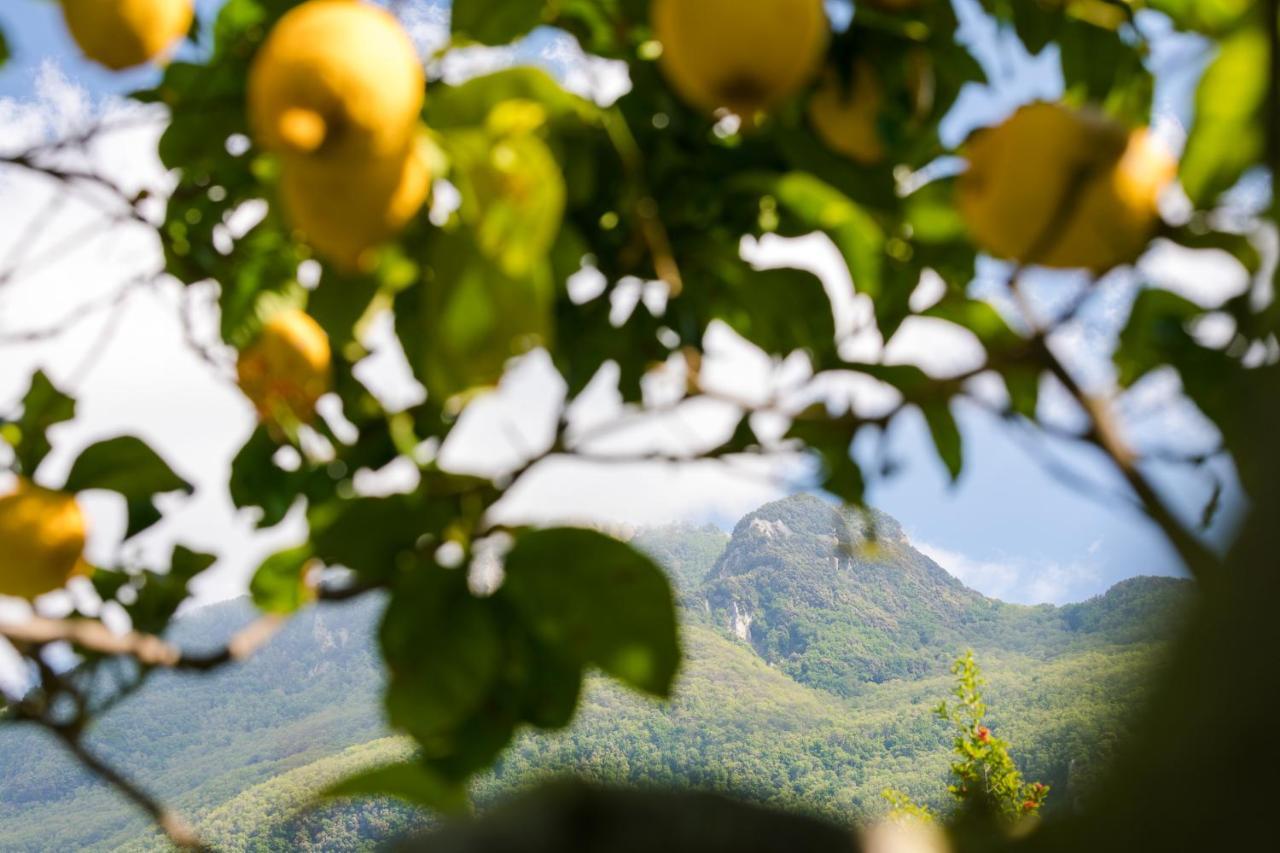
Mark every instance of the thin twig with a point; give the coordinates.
(172, 824)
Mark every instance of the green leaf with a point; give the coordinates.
(946, 436)
(5, 53)
(597, 600)
(411, 781)
(42, 407)
(1228, 135)
(812, 205)
(375, 537)
(185, 564)
(1157, 330)
(443, 650)
(471, 104)
(831, 440)
(513, 195)
(125, 465)
(779, 310)
(463, 323)
(495, 21)
(257, 482)
(278, 585)
(160, 595)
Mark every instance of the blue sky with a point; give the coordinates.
(1007, 526)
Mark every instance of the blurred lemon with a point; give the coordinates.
(741, 55)
(124, 33)
(1064, 188)
(42, 538)
(345, 213)
(287, 369)
(336, 79)
(845, 115)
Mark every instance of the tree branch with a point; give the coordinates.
(172, 824)
(147, 649)
(1105, 434)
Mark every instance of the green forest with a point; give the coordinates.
(820, 703)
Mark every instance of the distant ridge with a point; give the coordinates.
(815, 649)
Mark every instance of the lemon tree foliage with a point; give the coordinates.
(465, 208)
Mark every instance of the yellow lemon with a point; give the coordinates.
(124, 33)
(344, 213)
(741, 55)
(42, 537)
(287, 369)
(337, 79)
(1064, 188)
(845, 116)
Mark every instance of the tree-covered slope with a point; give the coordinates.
(825, 702)
(840, 599)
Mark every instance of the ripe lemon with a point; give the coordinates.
(845, 116)
(124, 33)
(286, 370)
(344, 213)
(1064, 188)
(336, 79)
(741, 55)
(42, 537)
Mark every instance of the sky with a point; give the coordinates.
(1008, 527)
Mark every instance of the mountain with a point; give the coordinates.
(816, 645)
(839, 599)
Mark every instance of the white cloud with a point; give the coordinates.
(1020, 580)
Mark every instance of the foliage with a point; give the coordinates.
(649, 189)
(245, 752)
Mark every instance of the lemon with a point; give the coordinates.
(1064, 188)
(740, 55)
(344, 213)
(845, 116)
(124, 33)
(287, 369)
(336, 79)
(42, 538)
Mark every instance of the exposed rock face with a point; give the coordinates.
(740, 622)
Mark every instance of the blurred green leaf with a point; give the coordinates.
(468, 318)
(444, 653)
(810, 205)
(946, 436)
(495, 21)
(513, 196)
(42, 407)
(374, 537)
(125, 465)
(160, 594)
(258, 482)
(1156, 330)
(5, 53)
(831, 441)
(1228, 135)
(598, 600)
(1206, 16)
(470, 104)
(779, 310)
(278, 584)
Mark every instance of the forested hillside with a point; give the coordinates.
(815, 641)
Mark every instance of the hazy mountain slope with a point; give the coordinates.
(824, 703)
(741, 726)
